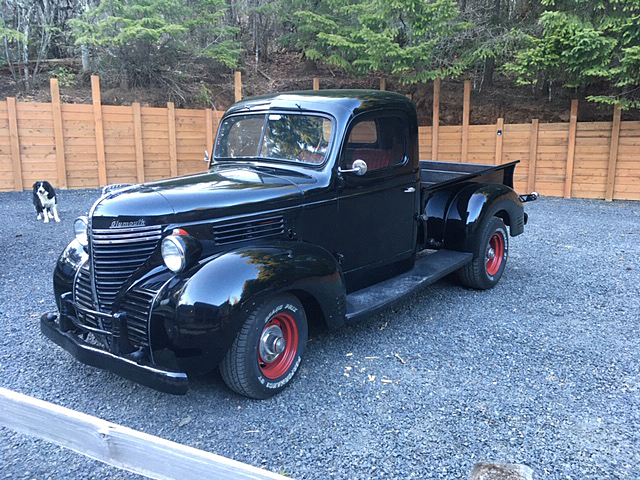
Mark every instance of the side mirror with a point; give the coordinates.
(359, 167)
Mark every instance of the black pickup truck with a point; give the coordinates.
(315, 207)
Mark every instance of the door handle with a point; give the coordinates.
(410, 190)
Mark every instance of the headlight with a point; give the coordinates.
(180, 251)
(173, 253)
(81, 228)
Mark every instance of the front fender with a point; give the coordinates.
(67, 265)
(475, 203)
(210, 303)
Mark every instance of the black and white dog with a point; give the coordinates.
(45, 201)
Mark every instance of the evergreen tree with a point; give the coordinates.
(399, 37)
(147, 42)
(585, 43)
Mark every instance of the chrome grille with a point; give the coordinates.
(116, 255)
(137, 304)
(248, 229)
(83, 297)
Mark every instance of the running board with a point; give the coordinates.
(426, 271)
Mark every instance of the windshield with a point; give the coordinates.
(290, 137)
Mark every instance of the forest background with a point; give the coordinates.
(525, 58)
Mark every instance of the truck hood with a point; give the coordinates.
(225, 192)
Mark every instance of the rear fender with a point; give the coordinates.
(210, 304)
(475, 203)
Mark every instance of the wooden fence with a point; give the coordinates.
(576, 159)
(84, 146)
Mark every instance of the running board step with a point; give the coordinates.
(426, 271)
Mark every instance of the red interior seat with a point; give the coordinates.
(375, 158)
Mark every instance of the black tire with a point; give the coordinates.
(244, 369)
(489, 256)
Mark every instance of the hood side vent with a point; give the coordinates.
(248, 229)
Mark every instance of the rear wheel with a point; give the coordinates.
(267, 352)
(489, 256)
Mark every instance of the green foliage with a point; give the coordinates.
(585, 43)
(9, 34)
(399, 37)
(204, 95)
(65, 76)
(144, 42)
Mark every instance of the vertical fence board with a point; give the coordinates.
(16, 163)
(99, 129)
(533, 156)
(436, 119)
(208, 121)
(6, 169)
(173, 153)
(137, 137)
(316, 83)
(466, 113)
(237, 84)
(383, 83)
(571, 151)
(57, 133)
(499, 141)
(613, 153)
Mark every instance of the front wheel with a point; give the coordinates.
(489, 256)
(267, 352)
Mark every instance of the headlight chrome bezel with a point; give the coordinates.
(81, 230)
(174, 253)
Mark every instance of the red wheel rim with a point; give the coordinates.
(494, 254)
(283, 361)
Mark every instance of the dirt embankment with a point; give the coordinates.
(286, 72)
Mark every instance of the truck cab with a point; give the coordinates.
(315, 207)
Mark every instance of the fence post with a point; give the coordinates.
(173, 152)
(237, 83)
(316, 83)
(435, 133)
(15, 145)
(208, 135)
(466, 110)
(533, 156)
(613, 153)
(137, 138)
(383, 83)
(499, 140)
(97, 121)
(58, 136)
(571, 151)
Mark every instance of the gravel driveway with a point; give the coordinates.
(542, 370)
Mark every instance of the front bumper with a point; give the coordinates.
(128, 366)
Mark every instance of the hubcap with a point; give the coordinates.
(272, 343)
(278, 346)
(494, 254)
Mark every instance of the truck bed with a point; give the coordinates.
(435, 175)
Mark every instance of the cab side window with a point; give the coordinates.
(379, 141)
